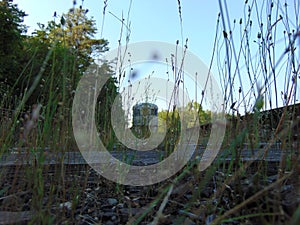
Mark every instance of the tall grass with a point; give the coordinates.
(257, 60)
(258, 63)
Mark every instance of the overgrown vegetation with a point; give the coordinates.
(258, 60)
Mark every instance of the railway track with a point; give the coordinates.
(138, 158)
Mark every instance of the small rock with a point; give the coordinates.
(109, 215)
(97, 189)
(120, 205)
(188, 196)
(67, 205)
(287, 188)
(112, 201)
(209, 219)
(113, 218)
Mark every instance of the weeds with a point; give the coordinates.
(258, 64)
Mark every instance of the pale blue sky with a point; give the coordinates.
(150, 20)
(159, 20)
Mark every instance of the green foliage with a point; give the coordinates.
(21, 57)
(194, 110)
(74, 47)
(191, 112)
(107, 97)
(11, 30)
(76, 32)
(47, 66)
(182, 118)
(27, 78)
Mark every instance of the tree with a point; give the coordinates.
(11, 39)
(50, 64)
(107, 97)
(77, 33)
(73, 44)
(183, 118)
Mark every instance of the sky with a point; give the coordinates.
(152, 20)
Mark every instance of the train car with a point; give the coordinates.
(143, 113)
